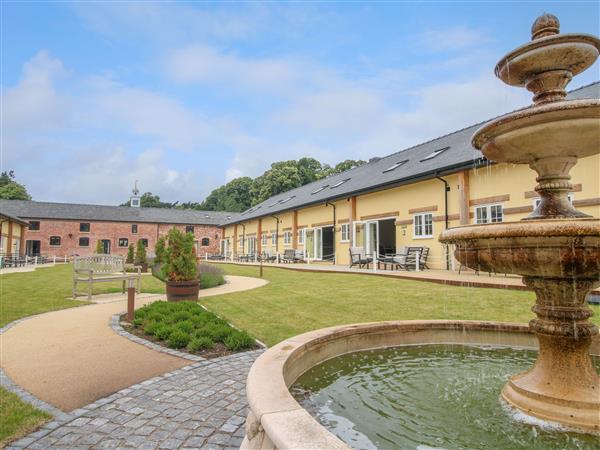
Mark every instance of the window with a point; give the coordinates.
(189, 229)
(345, 232)
(135, 202)
(84, 227)
(488, 214)
(287, 238)
(319, 189)
(55, 241)
(205, 242)
(124, 242)
(34, 225)
(537, 201)
(241, 244)
(264, 239)
(273, 238)
(84, 241)
(144, 242)
(423, 225)
(134, 228)
(339, 183)
(301, 236)
(395, 166)
(435, 153)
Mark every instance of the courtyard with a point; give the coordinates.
(182, 402)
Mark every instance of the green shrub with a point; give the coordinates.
(238, 340)
(209, 280)
(156, 316)
(180, 262)
(215, 331)
(164, 332)
(180, 316)
(178, 339)
(151, 328)
(140, 253)
(200, 343)
(186, 326)
(159, 251)
(130, 254)
(138, 322)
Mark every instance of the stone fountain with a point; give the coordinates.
(556, 248)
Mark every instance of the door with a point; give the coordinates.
(105, 246)
(372, 241)
(309, 242)
(33, 248)
(318, 243)
(359, 235)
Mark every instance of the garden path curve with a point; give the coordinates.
(72, 357)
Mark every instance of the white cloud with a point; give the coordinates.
(451, 39)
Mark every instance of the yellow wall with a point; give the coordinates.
(512, 184)
(16, 244)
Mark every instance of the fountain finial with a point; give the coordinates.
(545, 25)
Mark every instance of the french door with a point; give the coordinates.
(313, 243)
(366, 235)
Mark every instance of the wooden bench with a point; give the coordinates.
(102, 268)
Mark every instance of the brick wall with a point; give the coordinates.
(68, 231)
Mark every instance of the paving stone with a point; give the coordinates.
(200, 406)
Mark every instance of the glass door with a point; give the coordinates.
(372, 247)
(318, 243)
(309, 242)
(359, 235)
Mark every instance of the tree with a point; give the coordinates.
(10, 189)
(281, 177)
(130, 254)
(159, 250)
(233, 196)
(99, 247)
(342, 167)
(140, 253)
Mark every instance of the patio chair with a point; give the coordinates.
(359, 258)
(423, 258)
(268, 257)
(408, 260)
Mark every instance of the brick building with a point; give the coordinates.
(66, 229)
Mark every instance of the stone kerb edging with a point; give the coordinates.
(276, 419)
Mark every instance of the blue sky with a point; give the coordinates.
(186, 96)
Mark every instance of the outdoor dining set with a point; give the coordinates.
(408, 258)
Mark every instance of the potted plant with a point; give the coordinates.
(130, 254)
(180, 270)
(140, 256)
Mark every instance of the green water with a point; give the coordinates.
(428, 397)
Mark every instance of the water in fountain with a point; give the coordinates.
(427, 397)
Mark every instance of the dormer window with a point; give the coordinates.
(339, 183)
(435, 153)
(395, 166)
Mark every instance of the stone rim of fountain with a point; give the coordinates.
(276, 419)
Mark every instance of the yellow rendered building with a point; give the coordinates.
(405, 199)
(11, 232)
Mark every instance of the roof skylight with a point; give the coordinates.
(395, 166)
(435, 153)
(339, 183)
(276, 203)
(319, 189)
(287, 199)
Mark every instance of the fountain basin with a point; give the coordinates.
(277, 421)
(541, 248)
(566, 128)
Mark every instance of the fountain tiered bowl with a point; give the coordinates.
(557, 248)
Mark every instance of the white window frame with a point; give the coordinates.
(488, 213)
(263, 239)
(345, 232)
(287, 237)
(423, 225)
(273, 238)
(301, 236)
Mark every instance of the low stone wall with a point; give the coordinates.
(277, 421)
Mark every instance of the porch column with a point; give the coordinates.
(9, 239)
(259, 237)
(295, 230)
(352, 206)
(235, 240)
(464, 196)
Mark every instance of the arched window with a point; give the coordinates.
(205, 242)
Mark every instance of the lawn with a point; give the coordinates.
(294, 302)
(17, 418)
(46, 289)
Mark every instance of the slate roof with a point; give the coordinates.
(455, 152)
(12, 218)
(47, 210)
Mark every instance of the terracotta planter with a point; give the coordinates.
(178, 291)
